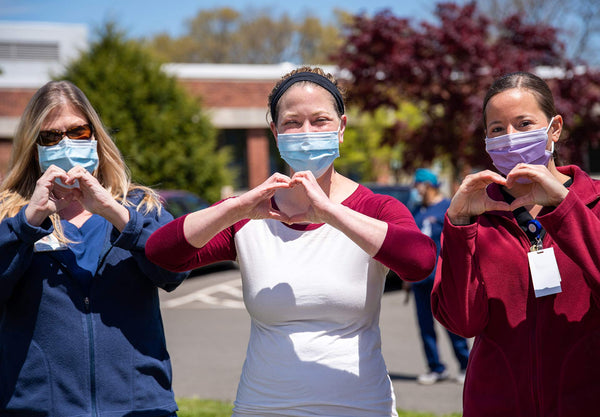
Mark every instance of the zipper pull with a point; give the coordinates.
(86, 301)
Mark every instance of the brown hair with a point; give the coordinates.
(524, 81)
(338, 94)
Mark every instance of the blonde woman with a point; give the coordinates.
(80, 325)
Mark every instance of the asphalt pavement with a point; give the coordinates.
(207, 331)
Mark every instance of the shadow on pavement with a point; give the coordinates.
(403, 377)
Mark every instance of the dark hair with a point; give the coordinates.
(524, 81)
(303, 75)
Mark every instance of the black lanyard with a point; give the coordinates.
(532, 228)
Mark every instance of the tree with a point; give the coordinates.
(444, 69)
(366, 155)
(578, 20)
(225, 35)
(165, 138)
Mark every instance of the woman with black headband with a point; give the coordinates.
(314, 249)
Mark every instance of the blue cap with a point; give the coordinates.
(425, 175)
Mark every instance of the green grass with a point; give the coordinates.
(193, 407)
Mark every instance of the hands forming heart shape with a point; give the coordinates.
(532, 185)
(309, 202)
(56, 189)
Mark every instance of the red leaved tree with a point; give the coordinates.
(446, 68)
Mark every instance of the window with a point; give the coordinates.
(29, 51)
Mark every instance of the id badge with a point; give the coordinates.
(48, 243)
(544, 272)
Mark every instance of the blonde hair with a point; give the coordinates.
(112, 173)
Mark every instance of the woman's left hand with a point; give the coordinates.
(319, 202)
(545, 190)
(96, 199)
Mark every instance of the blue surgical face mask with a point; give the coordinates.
(309, 151)
(67, 154)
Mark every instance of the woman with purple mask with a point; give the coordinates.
(519, 267)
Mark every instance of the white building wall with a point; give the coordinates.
(32, 53)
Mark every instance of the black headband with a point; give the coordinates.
(312, 77)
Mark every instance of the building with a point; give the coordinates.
(30, 53)
(234, 96)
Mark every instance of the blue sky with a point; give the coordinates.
(148, 17)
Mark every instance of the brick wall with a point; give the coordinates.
(13, 101)
(214, 94)
(217, 93)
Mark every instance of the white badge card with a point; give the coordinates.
(544, 272)
(48, 243)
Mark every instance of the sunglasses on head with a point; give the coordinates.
(52, 137)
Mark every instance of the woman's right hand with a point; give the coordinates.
(44, 200)
(471, 199)
(256, 203)
(201, 226)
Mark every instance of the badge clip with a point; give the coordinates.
(535, 228)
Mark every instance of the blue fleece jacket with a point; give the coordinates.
(69, 350)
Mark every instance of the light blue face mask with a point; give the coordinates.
(67, 154)
(309, 151)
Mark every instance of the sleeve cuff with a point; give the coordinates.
(127, 239)
(27, 232)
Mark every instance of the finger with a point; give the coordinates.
(54, 168)
(497, 205)
(299, 218)
(277, 215)
(535, 173)
(54, 172)
(520, 202)
(304, 174)
(301, 179)
(487, 177)
(78, 172)
(279, 177)
(266, 193)
(276, 186)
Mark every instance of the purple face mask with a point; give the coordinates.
(511, 149)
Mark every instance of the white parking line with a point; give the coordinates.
(210, 295)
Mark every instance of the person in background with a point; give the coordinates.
(80, 326)
(519, 267)
(429, 216)
(314, 249)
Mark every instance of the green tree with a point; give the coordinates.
(445, 68)
(165, 138)
(367, 155)
(578, 22)
(316, 42)
(225, 36)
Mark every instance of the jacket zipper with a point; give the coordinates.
(92, 356)
(89, 322)
(88, 317)
(533, 333)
